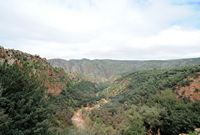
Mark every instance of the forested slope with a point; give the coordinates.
(37, 98)
(147, 102)
(54, 79)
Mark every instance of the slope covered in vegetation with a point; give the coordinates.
(148, 103)
(23, 108)
(37, 98)
(54, 79)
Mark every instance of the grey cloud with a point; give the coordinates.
(136, 19)
(157, 53)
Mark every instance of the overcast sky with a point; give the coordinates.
(102, 29)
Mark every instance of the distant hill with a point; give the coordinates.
(109, 70)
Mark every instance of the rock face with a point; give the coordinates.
(54, 79)
(191, 91)
(109, 70)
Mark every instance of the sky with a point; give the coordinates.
(102, 29)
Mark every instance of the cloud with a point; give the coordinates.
(115, 29)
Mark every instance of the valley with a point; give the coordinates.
(97, 97)
(99, 67)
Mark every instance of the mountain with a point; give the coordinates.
(109, 70)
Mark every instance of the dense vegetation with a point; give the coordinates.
(26, 108)
(23, 108)
(76, 94)
(148, 104)
(37, 98)
(53, 79)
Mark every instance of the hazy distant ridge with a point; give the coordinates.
(104, 70)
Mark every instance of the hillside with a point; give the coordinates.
(29, 82)
(109, 70)
(150, 102)
(54, 79)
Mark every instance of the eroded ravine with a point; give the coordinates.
(78, 118)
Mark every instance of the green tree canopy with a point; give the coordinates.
(23, 109)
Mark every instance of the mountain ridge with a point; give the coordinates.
(108, 70)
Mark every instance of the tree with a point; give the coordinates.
(23, 107)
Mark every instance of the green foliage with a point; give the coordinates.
(192, 133)
(180, 117)
(135, 124)
(76, 94)
(81, 92)
(156, 107)
(23, 108)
